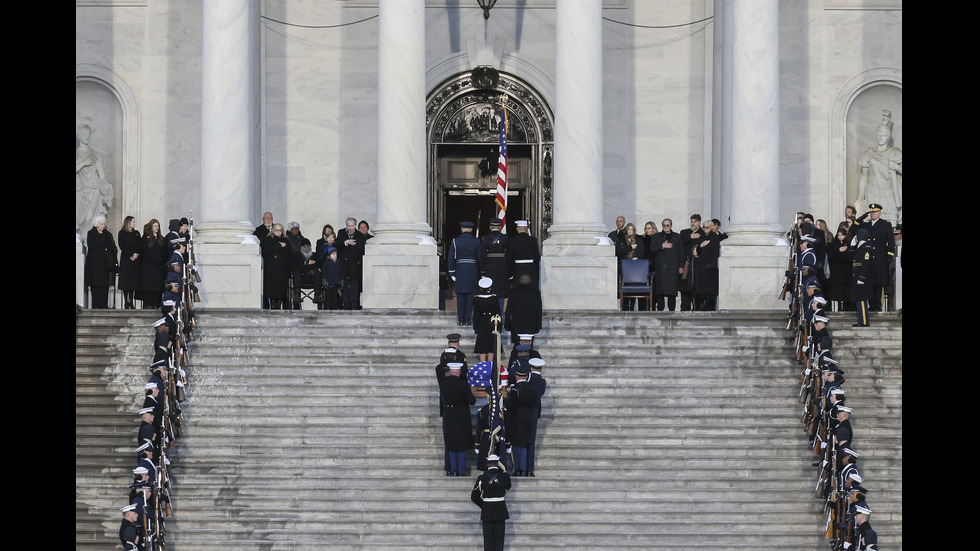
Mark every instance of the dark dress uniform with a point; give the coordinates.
(881, 237)
(465, 256)
(129, 534)
(540, 384)
(459, 427)
(495, 263)
(862, 283)
(523, 257)
(667, 262)
(488, 493)
(519, 404)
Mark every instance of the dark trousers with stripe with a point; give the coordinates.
(862, 312)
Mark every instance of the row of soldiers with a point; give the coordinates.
(507, 422)
(826, 421)
(143, 526)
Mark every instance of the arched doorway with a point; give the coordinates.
(462, 117)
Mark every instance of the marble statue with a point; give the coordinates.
(93, 192)
(881, 173)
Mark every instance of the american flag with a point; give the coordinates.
(501, 199)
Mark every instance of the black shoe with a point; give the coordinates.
(530, 474)
(860, 325)
(518, 473)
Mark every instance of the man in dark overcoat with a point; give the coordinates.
(668, 263)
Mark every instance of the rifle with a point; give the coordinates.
(790, 266)
(190, 254)
(147, 534)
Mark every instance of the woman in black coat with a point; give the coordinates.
(277, 258)
(100, 262)
(155, 252)
(631, 246)
(129, 261)
(707, 253)
(839, 256)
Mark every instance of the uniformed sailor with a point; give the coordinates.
(524, 339)
(130, 533)
(881, 238)
(536, 380)
(485, 308)
(465, 256)
(519, 406)
(488, 493)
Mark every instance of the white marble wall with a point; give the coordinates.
(319, 100)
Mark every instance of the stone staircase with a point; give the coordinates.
(320, 430)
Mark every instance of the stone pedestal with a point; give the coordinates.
(751, 272)
(231, 274)
(400, 276)
(578, 277)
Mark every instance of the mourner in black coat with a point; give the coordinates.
(668, 262)
(129, 261)
(100, 263)
(277, 257)
(155, 251)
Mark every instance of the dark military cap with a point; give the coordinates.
(523, 348)
(453, 337)
(874, 207)
(496, 221)
(466, 224)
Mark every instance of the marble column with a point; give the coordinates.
(401, 267)
(578, 262)
(754, 257)
(227, 253)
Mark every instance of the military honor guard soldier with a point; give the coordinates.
(488, 493)
(465, 257)
(458, 433)
(130, 533)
